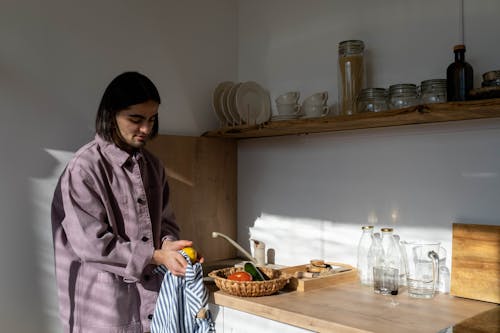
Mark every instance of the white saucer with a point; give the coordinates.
(285, 117)
(310, 117)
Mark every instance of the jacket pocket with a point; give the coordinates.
(104, 300)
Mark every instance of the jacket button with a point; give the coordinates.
(144, 239)
(150, 316)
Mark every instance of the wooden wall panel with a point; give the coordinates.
(202, 174)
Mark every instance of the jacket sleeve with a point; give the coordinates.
(89, 233)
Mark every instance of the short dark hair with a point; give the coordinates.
(125, 90)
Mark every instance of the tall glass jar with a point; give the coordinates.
(372, 100)
(403, 95)
(351, 74)
(433, 91)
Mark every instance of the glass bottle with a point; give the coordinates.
(372, 100)
(374, 253)
(402, 268)
(403, 95)
(433, 91)
(387, 264)
(351, 74)
(365, 241)
(459, 76)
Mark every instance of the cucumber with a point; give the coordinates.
(256, 274)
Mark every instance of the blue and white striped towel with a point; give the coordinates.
(180, 300)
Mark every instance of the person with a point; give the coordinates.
(112, 223)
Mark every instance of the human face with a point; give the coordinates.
(135, 123)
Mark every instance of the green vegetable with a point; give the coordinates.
(256, 274)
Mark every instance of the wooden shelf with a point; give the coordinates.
(420, 114)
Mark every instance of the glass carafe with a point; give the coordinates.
(422, 268)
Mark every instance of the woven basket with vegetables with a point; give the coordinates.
(249, 281)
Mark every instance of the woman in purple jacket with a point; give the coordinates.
(111, 219)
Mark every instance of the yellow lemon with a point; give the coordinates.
(191, 253)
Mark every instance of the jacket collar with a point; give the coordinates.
(116, 154)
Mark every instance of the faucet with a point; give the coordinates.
(236, 245)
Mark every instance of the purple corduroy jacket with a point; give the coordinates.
(109, 212)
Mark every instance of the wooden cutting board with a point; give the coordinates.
(342, 273)
(475, 263)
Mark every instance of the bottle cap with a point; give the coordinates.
(459, 47)
(386, 229)
(367, 227)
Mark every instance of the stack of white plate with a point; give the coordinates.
(241, 103)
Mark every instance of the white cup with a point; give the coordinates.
(288, 109)
(319, 98)
(291, 97)
(314, 111)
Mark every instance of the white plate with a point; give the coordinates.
(216, 101)
(253, 103)
(231, 103)
(223, 104)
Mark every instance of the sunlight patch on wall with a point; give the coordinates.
(296, 241)
(42, 192)
(179, 177)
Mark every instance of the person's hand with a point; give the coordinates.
(169, 256)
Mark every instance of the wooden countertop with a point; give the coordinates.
(350, 307)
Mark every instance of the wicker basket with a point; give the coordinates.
(249, 288)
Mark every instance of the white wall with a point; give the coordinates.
(307, 196)
(56, 58)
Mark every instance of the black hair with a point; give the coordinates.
(125, 90)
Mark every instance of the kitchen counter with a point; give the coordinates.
(350, 307)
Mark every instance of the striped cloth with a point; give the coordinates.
(179, 302)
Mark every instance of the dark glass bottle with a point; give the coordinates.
(459, 76)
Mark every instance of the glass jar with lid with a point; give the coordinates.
(402, 95)
(433, 91)
(351, 74)
(491, 79)
(372, 100)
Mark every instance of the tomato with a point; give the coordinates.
(240, 276)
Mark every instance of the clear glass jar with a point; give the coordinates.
(403, 95)
(351, 74)
(433, 91)
(372, 100)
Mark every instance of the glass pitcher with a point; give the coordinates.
(422, 263)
